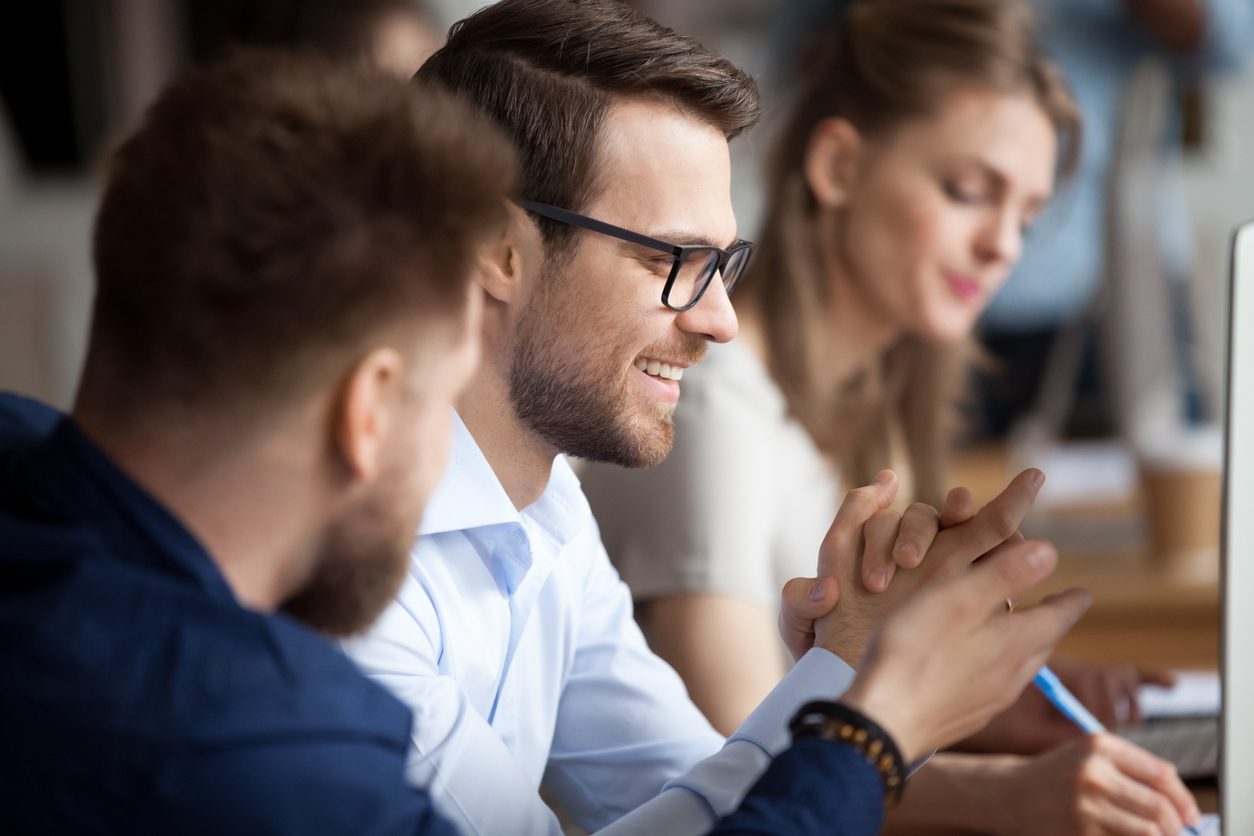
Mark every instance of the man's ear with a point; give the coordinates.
(831, 162)
(365, 410)
(504, 262)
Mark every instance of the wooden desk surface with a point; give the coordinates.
(1139, 613)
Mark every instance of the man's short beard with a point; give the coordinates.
(359, 572)
(572, 404)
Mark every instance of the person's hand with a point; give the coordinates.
(846, 630)
(1099, 784)
(953, 657)
(1033, 724)
(890, 540)
(805, 600)
(802, 602)
(1110, 691)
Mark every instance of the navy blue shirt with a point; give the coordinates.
(138, 696)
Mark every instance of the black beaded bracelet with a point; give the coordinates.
(839, 722)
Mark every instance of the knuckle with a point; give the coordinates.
(883, 519)
(1162, 773)
(862, 496)
(794, 589)
(909, 557)
(1102, 743)
(962, 608)
(922, 509)
(1002, 522)
(1089, 777)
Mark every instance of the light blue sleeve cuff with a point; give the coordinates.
(715, 786)
(818, 675)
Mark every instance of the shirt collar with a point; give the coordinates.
(75, 480)
(471, 496)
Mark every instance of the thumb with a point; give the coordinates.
(802, 602)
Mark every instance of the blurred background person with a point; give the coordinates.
(925, 143)
(394, 35)
(74, 76)
(1052, 320)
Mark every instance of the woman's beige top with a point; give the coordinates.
(740, 505)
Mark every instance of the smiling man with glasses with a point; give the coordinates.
(513, 638)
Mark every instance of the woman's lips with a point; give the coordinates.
(963, 287)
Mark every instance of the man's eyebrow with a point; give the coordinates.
(688, 238)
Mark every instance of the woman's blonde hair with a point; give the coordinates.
(886, 62)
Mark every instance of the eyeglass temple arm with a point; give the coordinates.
(555, 213)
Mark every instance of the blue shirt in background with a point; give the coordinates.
(1099, 46)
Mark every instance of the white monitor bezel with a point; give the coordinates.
(1237, 573)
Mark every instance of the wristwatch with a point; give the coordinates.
(838, 722)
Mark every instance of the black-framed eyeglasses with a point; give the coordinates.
(692, 266)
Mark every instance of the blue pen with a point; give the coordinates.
(1066, 702)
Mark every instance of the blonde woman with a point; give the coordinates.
(921, 149)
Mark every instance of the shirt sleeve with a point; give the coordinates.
(456, 756)
(626, 727)
(694, 802)
(700, 521)
(286, 786)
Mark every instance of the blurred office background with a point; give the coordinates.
(76, 74)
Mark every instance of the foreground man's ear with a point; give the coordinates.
(364, 410)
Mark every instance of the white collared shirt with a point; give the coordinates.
(513, 642)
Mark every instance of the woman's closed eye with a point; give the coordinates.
(962, 193)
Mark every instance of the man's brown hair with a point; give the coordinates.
(548, 71)
(269, 215)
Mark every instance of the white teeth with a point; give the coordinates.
(659, 369)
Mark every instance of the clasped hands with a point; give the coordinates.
(869, 542)
(915, 602)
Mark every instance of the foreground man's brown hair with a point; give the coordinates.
(297, 254)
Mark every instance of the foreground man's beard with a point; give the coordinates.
(358, 574)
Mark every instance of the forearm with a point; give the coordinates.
(953, 794)
(1179, 25)
(724, 649)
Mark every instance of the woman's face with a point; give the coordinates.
(931, 217)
